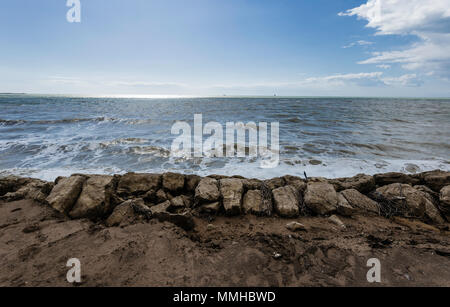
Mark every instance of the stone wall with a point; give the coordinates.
(176, 198)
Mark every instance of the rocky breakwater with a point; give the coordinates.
(176, 198)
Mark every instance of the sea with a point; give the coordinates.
(46, 136)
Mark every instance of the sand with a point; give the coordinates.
(36, 242)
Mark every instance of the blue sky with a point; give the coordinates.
(232, 47)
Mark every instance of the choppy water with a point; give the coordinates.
(48, 136)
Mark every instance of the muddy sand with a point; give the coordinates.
(36, 241)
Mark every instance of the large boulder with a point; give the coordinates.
(128, 212)
(343, 207)
(255, 203)
(65, 193)
(231, 190)
(207, 191)
(133, 184)
(358, 200)
(173, 182)
(275, 183)
(11, 184)
(436, 180)
(92, 202)
(389, 178)
(418, 202)
(362, 183)
(191, 182)
(321, 198)
(286, 201)
(35, 189)
(297, 182)
(444, 199)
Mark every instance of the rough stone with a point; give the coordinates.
(321, 198)
(133, 184)
(164, 207)
(444, 200)
(275, 183)
(191, 182)
(286, 201)
(417, 201)
(35, 189)
(254, 203)
(92, 202)
(177, 203)
(65, 193)
(231, 190)
(389, 178)
(297, 182)
(360, 201)
(343, 207)
(125, 213)
(207, 191)
(436, 180)
(362, 183)
(173, 182)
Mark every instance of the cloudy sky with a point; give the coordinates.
(232, 47)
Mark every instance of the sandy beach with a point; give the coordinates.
(181, 230)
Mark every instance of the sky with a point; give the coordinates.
(227, 47)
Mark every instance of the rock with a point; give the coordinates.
(343, 207)
(177, 203)
(337, 221)
(286, 201)
(418, 202)
(191, 182)
(252, 184)
(161, 196)
(231, 190)
(295, 226)
(207, 191)
(362, 183)
(321, 198)
(35, 189)
(183, 220)
(275, 183)
(436, 180)
(65, 193)
(358, 200)
(133, 184)
(11, 184)
(444, 199)
(212, 208)
(92, 201)
(125, 214)
(210, 227)
(297, 182)
(254, 203)
(427, 190)
(389, 178)
(173, 182)
(164, 207)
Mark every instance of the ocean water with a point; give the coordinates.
(50, 136)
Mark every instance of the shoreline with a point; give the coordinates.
(98, 196)
(177, 230)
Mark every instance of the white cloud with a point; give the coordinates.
(427, 20)
(358, 43)
(384, 66)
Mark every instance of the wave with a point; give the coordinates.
(6, 122)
